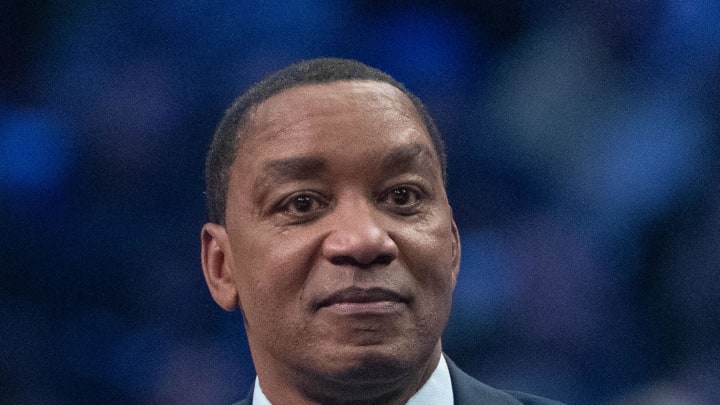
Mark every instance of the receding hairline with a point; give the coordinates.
(404, 104)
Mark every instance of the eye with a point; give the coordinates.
(402, 196)
(302, 205)
(403, 199)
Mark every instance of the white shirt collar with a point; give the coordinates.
(437, 390)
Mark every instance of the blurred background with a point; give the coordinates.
(584, 169)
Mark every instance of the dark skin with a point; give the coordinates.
(339, 246)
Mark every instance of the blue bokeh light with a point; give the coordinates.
(35, 153)
(583, 154)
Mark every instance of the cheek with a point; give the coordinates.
(272, 270)
(432, 255)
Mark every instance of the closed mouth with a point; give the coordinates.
(356, 295)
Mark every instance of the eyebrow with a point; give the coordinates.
(400, 159)
(290, 169)
(406, 157)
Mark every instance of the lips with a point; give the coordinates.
(355, 295)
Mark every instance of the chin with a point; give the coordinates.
(366, 374)
(372, 364)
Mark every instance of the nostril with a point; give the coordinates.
(351, 261)
(383, 259)
(344, 261)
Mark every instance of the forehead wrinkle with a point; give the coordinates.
(267, 124)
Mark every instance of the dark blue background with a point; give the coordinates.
(584, 168)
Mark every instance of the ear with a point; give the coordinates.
(217, 266)
(455, 251)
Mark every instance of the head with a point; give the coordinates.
(335, 237)
(232, 128)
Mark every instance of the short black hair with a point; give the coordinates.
(224, 146)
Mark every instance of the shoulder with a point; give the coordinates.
(527, 399)
(247, 401)
(468, 390)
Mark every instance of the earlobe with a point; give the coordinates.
(217, 266)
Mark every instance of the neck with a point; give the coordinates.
(377, 384)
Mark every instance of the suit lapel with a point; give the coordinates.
(469, 391)
(466, 390)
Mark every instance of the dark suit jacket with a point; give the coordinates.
(469, 391)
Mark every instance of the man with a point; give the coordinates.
(330, 229)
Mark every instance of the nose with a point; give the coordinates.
(359, 238)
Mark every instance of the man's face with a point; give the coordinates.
(339, 238)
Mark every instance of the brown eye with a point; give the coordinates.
(303, 203)
(403, 198)
(400, 196)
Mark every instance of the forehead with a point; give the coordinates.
(340, 106)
